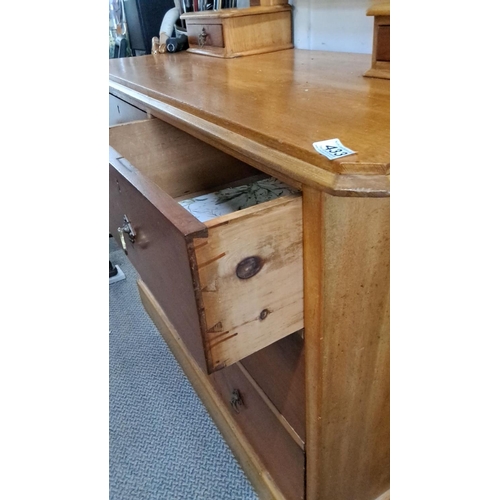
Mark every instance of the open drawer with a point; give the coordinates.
(230, 285)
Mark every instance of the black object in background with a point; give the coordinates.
(177, 43)
(144, 18)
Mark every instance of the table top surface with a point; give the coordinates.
(284, 100)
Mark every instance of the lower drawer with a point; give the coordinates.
(280, 454)
(230, 285)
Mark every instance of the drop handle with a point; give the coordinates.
(126, 228)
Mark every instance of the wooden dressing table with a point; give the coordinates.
(300, 387)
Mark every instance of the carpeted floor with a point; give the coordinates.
(162, 442)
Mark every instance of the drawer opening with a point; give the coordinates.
(178, 163)
(218, 243)
(245, 193)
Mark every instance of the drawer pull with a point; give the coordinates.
(202, 38)
(249, 267)
(236, 400)
(128, 229)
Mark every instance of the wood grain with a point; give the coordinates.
(161, 252)
(266, 3)
(235, 437)
(236, 317)
(346, 273)
(281, 456)
(253, 108)
(238, 105)
(175, 161)
(242, 316)
(279, 371)
(284, 422)
(383, 49)
(240, 32)
(271, 31)
(380, 67)
(379, 8)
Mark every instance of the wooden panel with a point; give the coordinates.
(379, 8)
(239, 106)
(235, 437)
(383, 49)
(177, 162)
(254, 34)
(346, 273)
(243, 314)
(162, 250)
(243, 32)
(266, 3)
(214, 31)
(280, 454)
(279, 371)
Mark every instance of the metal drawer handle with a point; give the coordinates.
(128, 229)
(236, 400)
(202, 38)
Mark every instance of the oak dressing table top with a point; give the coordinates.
(270, 108)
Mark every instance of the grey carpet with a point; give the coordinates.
(162, 442)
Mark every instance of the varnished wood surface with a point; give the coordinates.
(175, 161)
(160, 252)
(279, 371)
(281, 456)
(346, 293)
(383, 49)
(379, 8)
(274, 106)
(227, 13)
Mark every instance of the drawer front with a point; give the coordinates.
(383, 49)
(280, 455)
(212, 34)
(160, 250)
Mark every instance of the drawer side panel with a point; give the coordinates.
(246, 314)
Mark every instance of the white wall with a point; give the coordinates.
(334, 25)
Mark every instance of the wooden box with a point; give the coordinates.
(239, 32)
(381, 55)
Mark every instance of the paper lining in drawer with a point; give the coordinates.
(229, 200)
